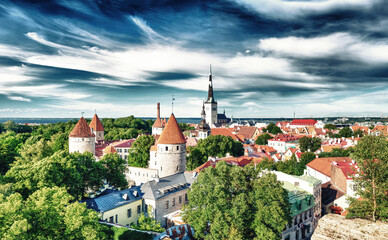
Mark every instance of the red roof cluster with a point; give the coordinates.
(81, 129)
(280, 137)
(171, 134)
(347, 168)
(124, 144)
(305, 122)
(224, 132)
(95, 124)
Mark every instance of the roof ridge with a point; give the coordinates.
(81, 129)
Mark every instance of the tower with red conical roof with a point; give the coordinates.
(97, 128)
(81, 138)
(171, 150)
(158, 126)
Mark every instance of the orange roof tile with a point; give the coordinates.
(81, 129)
(154, 148)
(171, 134)
(109, 149)
(247, 132)
(323, 165)
(329, 148)
(95, 124)
(224, 132)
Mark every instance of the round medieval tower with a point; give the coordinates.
(81, 139)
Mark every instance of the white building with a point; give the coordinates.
(282, 142)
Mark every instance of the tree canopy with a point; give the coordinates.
(272, 128)
(308, 143)
(139, 154)
(371, 155)
(114, 167)
(330, 126)
(263, 139)
(212, 146)
(346, 132)
(48, 213)
(230, 202)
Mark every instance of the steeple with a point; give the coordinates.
(203, 113)
(210, 95)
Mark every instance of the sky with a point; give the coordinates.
(119, 58)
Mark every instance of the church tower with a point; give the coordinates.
(211, 104)
(171, 150)
(203, 127)
(81, 138)
(97, 128)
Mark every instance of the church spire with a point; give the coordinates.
(210, 95)
(203, 114)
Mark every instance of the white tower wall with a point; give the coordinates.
(170, 159)
(211, 113)
(79, 144)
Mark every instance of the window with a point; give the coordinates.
(177, 148)
(125, 157)
(166, 148)
(139, 209)
(155, 163)
(173, 202)
(129, 213)
(177, 168)
(145, 207)
(116, 218)
(186, 197)
(180, 199)
(126, 150)
(111, 219)
(167, 204)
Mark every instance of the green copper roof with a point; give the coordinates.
(311, 180)
(299, 199)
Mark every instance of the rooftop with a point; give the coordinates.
(171, 134)
(323, 165)
(95, 124)
(299, 199)
(81, 129)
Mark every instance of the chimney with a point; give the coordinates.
(158, 111)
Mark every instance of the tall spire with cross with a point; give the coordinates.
(211, 104)
(210, 94)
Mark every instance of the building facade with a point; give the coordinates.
(81, 138)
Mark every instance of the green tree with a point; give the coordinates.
(307, 143)
(213, 146)
(337, 152)
(237, 204)
(263, 139)
(371, 154)
(185, 127)
(9, 146)
(148, 224)
(358, 133)
(47, 214)
(114, 170)
(346, 132)
(272, 128)
(330, 126)
(139, 153)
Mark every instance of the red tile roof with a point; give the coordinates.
(323, 165)
(124, 143)
(247, 132)
(109, 149)
(284, 138)
(171, 134)
(95, 124)
(306, 122)
(81, 129)
(224, 132)
(347, 168)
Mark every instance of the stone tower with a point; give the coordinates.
(97, 128)
(81, 138)
(157, 128)
(171, 150)
(211, 104)
(203, 127)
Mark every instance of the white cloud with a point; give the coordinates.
(291, 9)
(142, 24)
(18, 98)
(339, 45)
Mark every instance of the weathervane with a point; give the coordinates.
(172, 103)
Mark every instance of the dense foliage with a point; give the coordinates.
(337, 152)
(230, 202)
(124, 233)
(263, 139)
(272, 128)
(330, 126)
(48, 213)
(148, 224)
(212, 146)
(309, 144)
(139, 154)
(371, 154)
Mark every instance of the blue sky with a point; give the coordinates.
(321, 58)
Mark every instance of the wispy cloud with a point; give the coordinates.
(18, 98)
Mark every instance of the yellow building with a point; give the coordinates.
(120, 207)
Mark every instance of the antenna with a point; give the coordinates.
(211, 70)
(172, 103)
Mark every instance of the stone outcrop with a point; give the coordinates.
(333, 226)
